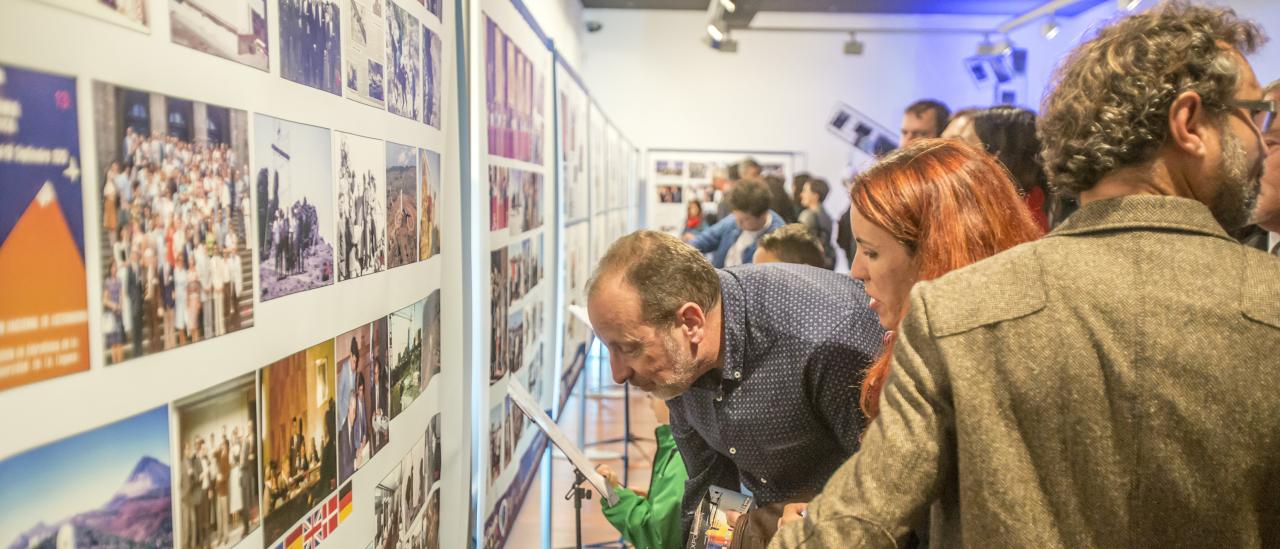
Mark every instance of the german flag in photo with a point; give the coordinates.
(344, 503)
(294, 539)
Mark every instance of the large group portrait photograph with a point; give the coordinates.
(311, 43)
(177, 266)
(231, 29)
(104, 488)
(294, 187)
(364, 51)
(402, 205)
(360, 168)
(429, 232)
(299, 468)
(42, 236)
(364, 418)
(404, 62)
(405, 345)
(217, 476)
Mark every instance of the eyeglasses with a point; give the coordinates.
(1263, 113)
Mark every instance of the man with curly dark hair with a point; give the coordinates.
(1114, 383)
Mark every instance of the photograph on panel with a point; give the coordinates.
(499, 303)
(321, 521)
(669, 168)
(402, 205)
(126, 13)
(514, 95)
(364, 421)
(108, 487)
(670, 194)
(431, 521)
(398, 501)
(362, 207)
(436, 7)
(175, 207)
(513, 347)
(433, 451)
(499, 197)
(508, 445)
(218, 464)
(526, 204)
(298, 467)
(405, 344)
(230, 29)
(404, 62)
(42, 233)
(497, 439)
(535, 373)
(364, 50)
(432, 52)
(311, 43)
(431, 338)
(429, 232)
(294, 186)
(573, 151)
(533, 323)
(698, 170)
(524, 267)
(516, 420)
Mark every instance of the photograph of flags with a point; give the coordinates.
(314, 528)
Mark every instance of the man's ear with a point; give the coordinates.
(1189, 122)
(692, 320)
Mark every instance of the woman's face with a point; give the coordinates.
(885, 267)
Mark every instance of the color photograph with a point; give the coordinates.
(670, 194)
(497, 439)
(44, 303)
(513, 347)
(109, 487)
(402, 205)
(431, 521)
(218, 464)
(431, 338)
(295, 206)
(432, 52)
(405, 344)
(298, 456)
(362, 207)
(364, 419)
(404, 62)
(429, 233)
(364, 50)
(434, 6)
(514, 93)
(526, 200)
(498, 306)
(669, 168)
(573, 149)
(311, 43)
(230, 29)
(177, 263)
(126, 13)
(398, 501)
(499, 199)
(433, 451)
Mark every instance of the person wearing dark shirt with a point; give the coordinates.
(759, 364)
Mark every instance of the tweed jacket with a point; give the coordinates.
(1114, 384)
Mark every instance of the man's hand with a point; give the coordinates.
(609, 475)
(791, 512)
(687, 237)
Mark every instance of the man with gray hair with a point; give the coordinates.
(1114, 383)
(760, 365)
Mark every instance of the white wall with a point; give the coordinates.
(562, 21)
(666, 89)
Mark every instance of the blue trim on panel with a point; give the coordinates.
(562, 63)
(533, 23)
(473, 401)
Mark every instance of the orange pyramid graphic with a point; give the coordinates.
(43, 301)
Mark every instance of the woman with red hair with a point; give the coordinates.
(929, 208)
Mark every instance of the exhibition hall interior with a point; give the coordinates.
(705, 274)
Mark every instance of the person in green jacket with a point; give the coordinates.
(651, 520)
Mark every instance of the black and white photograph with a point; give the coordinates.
(670, 194)
(126, 13)
(218, 464)
(435, 7)
(359, 165)
(230, 29)
(498, 306)
(399, 499)
(433, 451)
(431, 338)
(402, 205)
(175, 258)
(404, 62)
(698, 170)
(311, 43)
(513, 348)
(364, 50)
(497, 439)
(432, 52)
(294, 185)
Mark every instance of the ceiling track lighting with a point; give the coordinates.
(853, 46)
(715, 33)
(728, 5)
(1050, 29)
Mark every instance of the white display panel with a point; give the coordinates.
(253, 360)
(575, 190)
(676, 177)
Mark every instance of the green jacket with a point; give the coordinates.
(653, 522)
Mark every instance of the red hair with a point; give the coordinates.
(951, 205)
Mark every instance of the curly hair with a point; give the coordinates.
(1109, 105)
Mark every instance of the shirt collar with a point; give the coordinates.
(734, 320)
(1142, 212)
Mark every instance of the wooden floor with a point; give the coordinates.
(604, 422)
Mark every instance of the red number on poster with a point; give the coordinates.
(62, 99)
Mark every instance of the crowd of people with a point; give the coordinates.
(1057, 329)
(174, 215)
(219, 487)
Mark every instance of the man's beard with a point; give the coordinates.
(684, 371)
(1239, 185)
